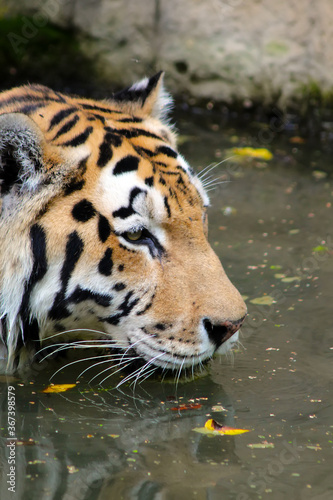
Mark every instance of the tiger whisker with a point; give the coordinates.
(120, 363)
(205, 171)
(74, 362)
(78, 343)
(66, 346)
(132, 345)
(210, 167)
(150, 372)
(215, 181)
(211, 188)
(145, 368)
(113, 373)
(99, 332)
(140, 369)
(179, 372)
(115, 359)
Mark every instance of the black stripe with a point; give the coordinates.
(67, 127)
(60, 96)
(105, 150)
(165, 150)
(79, 139)
(136, 132)
(149, 181)
(95, 107)
(77, 183)
(167, 172)
(30, 332)
(74, 249)
(82, 166)
(4, 330)
(39, 269)
(106, 264)
(190, 170)
(61, 115)
(134, 119)
(96, 116)
(125, 212)
(27, 98)
(74, 186)
(30, 108)
(173, 194)
(144, 151)
(145, 309)
(104, 228)
(81, 295)
(127, 164)
(112, 137)
(125, 307)
(167, 206)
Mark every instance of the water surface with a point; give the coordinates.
(270, 223)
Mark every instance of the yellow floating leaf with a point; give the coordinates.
(258, 153)
(55, 388)
(266, 300)
(213, 428)
(291, 279)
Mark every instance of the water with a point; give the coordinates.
(271, 226)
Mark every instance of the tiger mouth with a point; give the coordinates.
(170, 360)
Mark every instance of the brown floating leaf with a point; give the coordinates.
(187, 406)
(29, 442)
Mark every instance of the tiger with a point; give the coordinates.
(104, 233)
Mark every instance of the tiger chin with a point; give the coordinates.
(103, 234)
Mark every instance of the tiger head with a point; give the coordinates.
(103, 231)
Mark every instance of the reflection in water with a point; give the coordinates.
(95, 442)
(271, 227)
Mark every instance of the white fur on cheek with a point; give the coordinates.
(114, 193)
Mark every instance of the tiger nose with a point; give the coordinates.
(219, 333)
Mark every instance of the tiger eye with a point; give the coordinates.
(134, 235)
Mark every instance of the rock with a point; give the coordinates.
(229, 50)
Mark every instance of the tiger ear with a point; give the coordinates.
(147, 97)
(21, 157)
